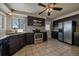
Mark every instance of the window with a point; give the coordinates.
(17, 22)
(1, 22)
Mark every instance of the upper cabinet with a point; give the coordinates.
(35, 21)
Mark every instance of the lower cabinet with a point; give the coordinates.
(0, 47)
(44, 36)
(12, 44)
(54, 34)
(4, 47)
(15, 43)
(30, 38)
(76, 39)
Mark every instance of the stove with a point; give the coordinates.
(38, 38)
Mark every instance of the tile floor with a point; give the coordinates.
(49, 48)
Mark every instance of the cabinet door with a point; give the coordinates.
(21, 39)
(5, 47)
(0, 47)
(13, 45)
(16, 42)
(29, 38)
(45, 36)
(76, 39)
(54, 35)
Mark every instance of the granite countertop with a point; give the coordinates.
(2, 36)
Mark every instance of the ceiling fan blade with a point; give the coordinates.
(54, 4)
(42, 11)
(57, 8)
(12, 10)
(40, 4)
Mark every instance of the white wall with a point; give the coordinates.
(67, 15)
(26, 27)
(8, 22)
(4, 15)
(7, 25)
(48, 21)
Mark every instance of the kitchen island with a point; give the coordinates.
(11, 43)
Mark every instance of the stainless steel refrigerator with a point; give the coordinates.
(68, 32)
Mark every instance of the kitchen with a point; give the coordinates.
(20, 29)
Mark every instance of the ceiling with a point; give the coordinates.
(33, 8)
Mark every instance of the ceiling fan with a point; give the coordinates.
(49, 7)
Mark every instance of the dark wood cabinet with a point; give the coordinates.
(35, 21)
(0, 47)
(12, 44)
(16, 42)
(30, 38)
(54, 34)
(5, 47)
(44, 36)
(76, 39)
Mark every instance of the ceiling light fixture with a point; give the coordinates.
(49, 8)
(10, 13)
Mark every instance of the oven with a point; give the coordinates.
(38, 37)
